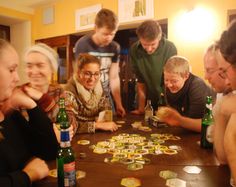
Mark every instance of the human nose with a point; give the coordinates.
(227, 82)
(16, 77)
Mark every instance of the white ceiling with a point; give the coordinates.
(26, 6)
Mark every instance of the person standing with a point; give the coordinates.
(148, 56)
(101, 45)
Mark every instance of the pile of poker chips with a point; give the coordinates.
(130, 149)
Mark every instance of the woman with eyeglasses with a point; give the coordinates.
(85, 91)
(41, 64)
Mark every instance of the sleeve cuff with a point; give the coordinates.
(46, 102)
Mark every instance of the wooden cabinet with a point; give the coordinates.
(64, 46)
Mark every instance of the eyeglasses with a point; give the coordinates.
(89, 75)
(210, 71)
(223, 72)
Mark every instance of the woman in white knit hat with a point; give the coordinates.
(41, 65)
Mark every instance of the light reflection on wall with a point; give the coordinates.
(195, 26)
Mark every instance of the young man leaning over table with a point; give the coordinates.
(185, 94)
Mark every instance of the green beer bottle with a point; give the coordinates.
(207, 120)
(66, 173)
(148, 112)
(162, 100)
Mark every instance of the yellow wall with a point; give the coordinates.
(64, 22)
(15, 14)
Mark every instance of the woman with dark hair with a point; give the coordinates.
(85, 91)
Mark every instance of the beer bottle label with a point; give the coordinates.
(69, 174)
(65, 135)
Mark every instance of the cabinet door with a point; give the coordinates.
(62, 72)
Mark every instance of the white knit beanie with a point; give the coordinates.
(47, 51)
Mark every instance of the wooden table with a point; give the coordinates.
(100, 174)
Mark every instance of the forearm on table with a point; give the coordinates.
(190, 123)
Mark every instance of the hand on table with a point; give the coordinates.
(168, 115)
(120, 111)
(36, 169)
(107, 126)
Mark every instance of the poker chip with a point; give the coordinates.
(145, 128)
(175, 147)
(135, 166)
(126, 161)
(83, 142)
(143, 160)
(80, 174)
(99, 150)
(192, 169)
(52, 173)
(130, 182)
(131, 149)
(170, 151)
(175, 182)
(167, 174)
(120, 122)
(174, 138)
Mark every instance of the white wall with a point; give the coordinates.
(21, 40)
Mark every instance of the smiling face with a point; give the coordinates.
(89, 75)
(38, 69)
(8, 72)
(212, 74)
(174, 82)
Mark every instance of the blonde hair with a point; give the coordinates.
(178, 65)
(212, 52)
